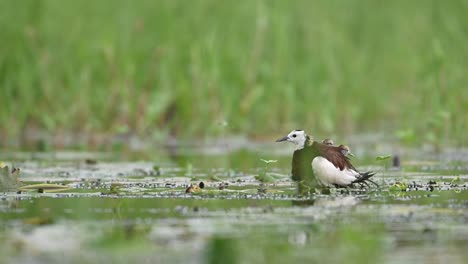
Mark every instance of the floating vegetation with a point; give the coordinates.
(115, 208)
(265, 178)
(193, 188)
(91, 161)
(38, 220)
(214, 178)
(9, 179)
(157, 170)
(114, 188)
(398, 187)
(45, 187)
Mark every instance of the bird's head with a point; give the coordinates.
(346, 150)
(298, 137)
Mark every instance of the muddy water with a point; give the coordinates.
(114, 210)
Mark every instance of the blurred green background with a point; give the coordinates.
(262, 68)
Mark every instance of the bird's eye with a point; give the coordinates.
(294, 135)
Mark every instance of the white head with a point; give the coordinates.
(297, 137)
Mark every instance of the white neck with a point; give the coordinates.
(299, 146)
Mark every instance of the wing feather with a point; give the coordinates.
(335, 156)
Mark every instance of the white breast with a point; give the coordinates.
(328, 175)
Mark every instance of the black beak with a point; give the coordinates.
(282, 139)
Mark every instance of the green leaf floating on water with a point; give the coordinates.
(398, 187)
(384, 157)
(44, 187)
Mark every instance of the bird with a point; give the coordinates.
(328, 141)
(346, 150)
(328, 165)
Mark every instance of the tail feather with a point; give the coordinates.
(365, 178)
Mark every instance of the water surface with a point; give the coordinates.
(116, 210)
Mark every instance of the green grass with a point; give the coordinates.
(265, 67)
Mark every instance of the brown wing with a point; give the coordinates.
(335, 156)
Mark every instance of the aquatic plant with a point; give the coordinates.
(157, 170)
(383, 159)
(9, 179)
(195, 188)
(398, 187)
(263, 175)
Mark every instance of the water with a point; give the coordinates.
(120, 211)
